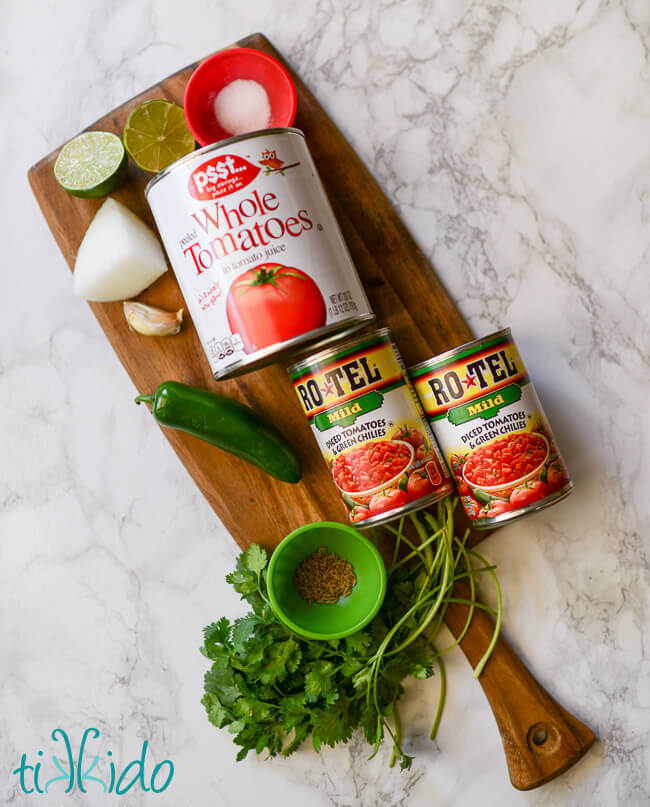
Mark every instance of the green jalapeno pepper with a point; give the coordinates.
(225, 423)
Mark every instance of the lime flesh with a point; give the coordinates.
(156, 135)
(91, 165)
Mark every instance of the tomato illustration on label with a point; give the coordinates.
(387, 500)
(272, 303)
(556, 476)
(419, 485)
(528, 493)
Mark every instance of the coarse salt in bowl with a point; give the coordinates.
(239, 84)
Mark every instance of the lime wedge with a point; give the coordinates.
(91, 165)
(156, 135)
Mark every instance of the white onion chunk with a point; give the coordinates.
(118, 257)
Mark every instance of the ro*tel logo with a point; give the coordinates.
(220, 176)
(87, 773)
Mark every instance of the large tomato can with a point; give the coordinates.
(256, 249)
(498, 443)
(371, 430)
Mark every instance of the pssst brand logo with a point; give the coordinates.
(63, 771)
(220, 176)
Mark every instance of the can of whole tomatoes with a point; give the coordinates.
(371, 430)
(483, 408)
(256, 250)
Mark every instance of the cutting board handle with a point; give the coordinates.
(540, 738)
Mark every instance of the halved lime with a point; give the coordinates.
(156, 135)
(91, 165)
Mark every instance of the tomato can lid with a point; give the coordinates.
(217, 147)
(474, 344)
(328, 353)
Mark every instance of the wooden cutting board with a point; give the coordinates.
(404, 292)
(406, 296)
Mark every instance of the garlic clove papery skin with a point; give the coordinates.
(151, 321)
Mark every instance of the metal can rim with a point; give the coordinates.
(214, 147)
(326, 353)
(399, 512)
(454, 351)
(535, 507)
(265, 356)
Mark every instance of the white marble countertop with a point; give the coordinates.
(514, 140)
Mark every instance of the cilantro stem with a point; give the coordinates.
(442, 697)
(448, 565)
(497, 624)
(481, 605)
(411, 555)
(400, 528)
(401, 537)
(397, 737)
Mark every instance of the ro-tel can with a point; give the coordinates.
(371, 430)
(256, 250)
(483, 408)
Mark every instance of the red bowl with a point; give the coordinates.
(212, 75)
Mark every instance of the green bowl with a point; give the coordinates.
(321, 620)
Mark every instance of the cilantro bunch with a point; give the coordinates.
(273, 688)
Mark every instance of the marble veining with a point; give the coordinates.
(513, 140)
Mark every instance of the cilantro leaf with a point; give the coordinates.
(358, 643)
(217, 631)
(300, 734)
(281, 659)
(243, 629)
(218, 715)
(244, 582)
(319, 681)
(220, 681)
(351, 666)
(254, 558)
(332, 725)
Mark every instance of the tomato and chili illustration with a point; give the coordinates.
(371, 465)
(371, 430)
(506, 460)
(485, 413)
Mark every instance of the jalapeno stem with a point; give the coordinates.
(144, 398)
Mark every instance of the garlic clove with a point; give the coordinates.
(150, 321)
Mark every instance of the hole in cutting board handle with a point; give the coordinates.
(543, 738)
(540, 736)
